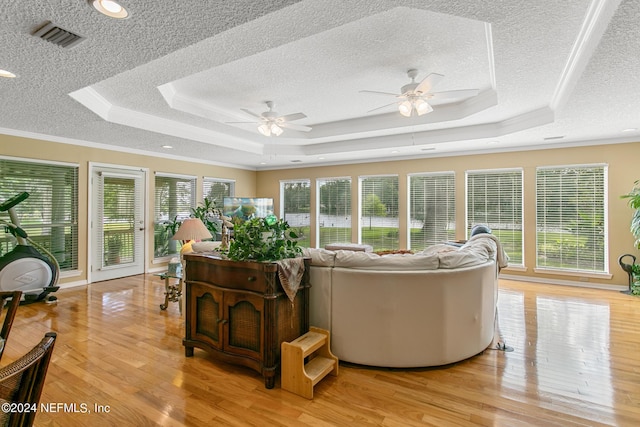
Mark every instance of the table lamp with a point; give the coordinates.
(191, 229)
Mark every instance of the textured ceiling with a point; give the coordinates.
(176, 73)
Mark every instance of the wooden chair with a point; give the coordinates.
(21, 382)
(12, 307)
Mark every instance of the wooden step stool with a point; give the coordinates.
(299, 377)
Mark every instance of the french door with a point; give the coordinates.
(117, 222)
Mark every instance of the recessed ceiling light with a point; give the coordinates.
(263, 163)
(8, 74)
(110, 8)
(167, 146)
(630, 130)
(493, 142)
(394, 151)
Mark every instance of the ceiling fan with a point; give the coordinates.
(414, 96)
(270, 123)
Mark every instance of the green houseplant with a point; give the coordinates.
(634, 203)
(263, 239)
(207, 212)
(633, 269)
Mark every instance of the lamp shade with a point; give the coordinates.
(192, 229)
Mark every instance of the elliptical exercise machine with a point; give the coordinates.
(28, 267)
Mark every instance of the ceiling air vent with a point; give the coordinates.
(56, 35)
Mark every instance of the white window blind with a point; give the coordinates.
(217, 189)
(494, 198)
(117, 237)
(50, 214)
(175, 196)
(379, 212)
(295, 200)
(333, 211)
(571, 218)
(432, 209)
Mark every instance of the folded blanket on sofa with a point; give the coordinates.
(477, 250)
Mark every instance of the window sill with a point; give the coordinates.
(519, 268)
(573, 273)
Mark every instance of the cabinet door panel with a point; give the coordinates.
(207, 309)
(245, 327)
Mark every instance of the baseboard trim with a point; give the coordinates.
(560, 282)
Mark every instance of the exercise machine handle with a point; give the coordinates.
(20, 197)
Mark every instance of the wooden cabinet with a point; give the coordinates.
(239, 312)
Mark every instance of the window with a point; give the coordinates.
(379, 212)
(333, 221)
(432, 209)
(175, 196)
(50, 214)
(295, 200)
(571, 218)
(217, 189)
(494, 198)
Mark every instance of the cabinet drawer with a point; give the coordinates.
(239, 278)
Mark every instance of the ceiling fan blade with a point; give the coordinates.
(461, 93)
(375, 92)
(291, 117)
(251, 113)
(241, 122)
(380, 108)
(429, 82)
(294, 127)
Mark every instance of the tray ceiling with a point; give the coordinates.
(175, 74)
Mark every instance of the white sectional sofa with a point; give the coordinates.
(407, 310)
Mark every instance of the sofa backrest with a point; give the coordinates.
(372, 261)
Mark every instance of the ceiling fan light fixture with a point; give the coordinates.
(276, 130)
(264, 129)
(422, 107)
(405, 108)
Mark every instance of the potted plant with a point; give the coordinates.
(633, 269)
(263, 239)
(209, 214)
(114, 245)
(634, 203)
(206, 212)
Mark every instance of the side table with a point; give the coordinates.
(172, 290)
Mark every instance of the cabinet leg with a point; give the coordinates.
(188, 352)
(269, 382)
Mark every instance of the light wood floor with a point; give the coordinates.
(576, 361)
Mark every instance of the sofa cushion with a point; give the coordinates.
(372, 261)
